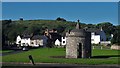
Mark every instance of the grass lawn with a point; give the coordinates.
(45, 55)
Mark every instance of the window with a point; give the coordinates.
(92, 39)
(31, 42)
(19, 42)
(63, 41)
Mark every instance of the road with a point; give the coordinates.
(56, 65)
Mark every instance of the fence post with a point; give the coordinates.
(101, 47)
(31, 59)
(93, 47)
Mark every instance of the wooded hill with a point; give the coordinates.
(11, 29)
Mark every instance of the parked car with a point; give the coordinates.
(25, 49)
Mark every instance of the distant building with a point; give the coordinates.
(61, 43)
(18, 40)
(55, 37)
(32, 41)
(97, 35)
(52, 34)
(48, 31)
(38, 40)
(57, 43)
(25, 41)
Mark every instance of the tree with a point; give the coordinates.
(60, 19)
(21, 19)
(116, 36)
(90, 26)
(107, 27)
(60, 29)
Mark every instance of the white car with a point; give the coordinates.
(25, 49)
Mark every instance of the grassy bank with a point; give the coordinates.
(56, 55)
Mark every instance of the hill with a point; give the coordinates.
(11, 29)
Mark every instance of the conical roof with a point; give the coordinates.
(78, 25)
(78, 29)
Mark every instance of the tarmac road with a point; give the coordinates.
(55, 65)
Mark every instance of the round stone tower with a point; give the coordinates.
(78, 43)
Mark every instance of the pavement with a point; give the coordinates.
(54, 65)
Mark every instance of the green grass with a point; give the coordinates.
(44, 55)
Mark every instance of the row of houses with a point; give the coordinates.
(33, 41)
(98, 36)
(49, 37)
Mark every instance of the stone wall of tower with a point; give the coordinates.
(78, 43)
(73, 44)
(71, 51)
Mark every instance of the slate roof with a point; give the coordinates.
(97, 31)
(37, 37)
(55, 36)
(78, 30)
(26, 36)
(34, 37)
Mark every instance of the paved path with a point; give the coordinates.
(57, 65)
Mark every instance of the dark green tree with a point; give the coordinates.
(116, 36)
(60, 19)
(107, 27)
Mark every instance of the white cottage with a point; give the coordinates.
(18, 40)
(38, 40)
(32, 41)
(25, 41)
(57, 42)
(61, 43)
(97, 35)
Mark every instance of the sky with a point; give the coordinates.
(86, 12)
(60, 0)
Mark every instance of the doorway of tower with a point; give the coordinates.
(79, 50)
